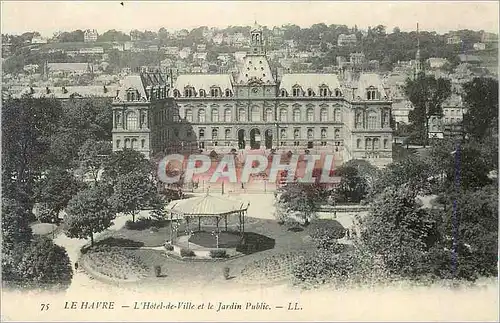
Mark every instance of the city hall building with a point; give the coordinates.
(255, 109)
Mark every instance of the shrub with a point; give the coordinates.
(218, 253)
(187, 252)
(169, 247)
(140, 224)
(326, 233)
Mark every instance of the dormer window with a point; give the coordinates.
(229, 93)
(177, 93)
(310, 92)
(338, 92)
(203, 93)
(215, 92)
(323, 91)
(283, 93)
(296, 91)
(132, 95)
(188, 92)
(371, 93)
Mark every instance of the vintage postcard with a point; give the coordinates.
(249, 161)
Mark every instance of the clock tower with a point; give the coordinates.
(257, 41)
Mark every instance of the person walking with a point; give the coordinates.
(76, 266)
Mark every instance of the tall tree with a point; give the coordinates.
(55, 189)
(133, 192)
(45, 264)
(123, 162)
(89, 212)
(27, 125)
(92, 155)
(426, 93)
(300, 199)
(400, 231)
(481, 100)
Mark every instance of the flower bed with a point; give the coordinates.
(116, 264)
(273, 268)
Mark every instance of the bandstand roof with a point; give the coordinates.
(207, 205)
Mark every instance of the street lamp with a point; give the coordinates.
(216, 234)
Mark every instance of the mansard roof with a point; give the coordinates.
(204, 81)
(312, 81)
(366, 81)
(255, 67)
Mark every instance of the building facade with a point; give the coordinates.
(254, 109)
(90, 35)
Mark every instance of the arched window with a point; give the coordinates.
(338, 93)
(296, 115)
(386, 142)
(227, 115)
(368, 143)
(134, 144)
(323, 115)
(215, 134)
(310, 92)
(127, 143)
(143, 143)
(177, 93)
(337, 134)
(227, 134)
(142, 122)
(131, 120)
(296, 91)
(323, 133)
(118, 118)
(376, 144)
(188, 115)
(283, 114)
(215, 115)
(269, 115)
(255, 114)
(337, 115)
(359, 119)
(203, 94)
(310, 115)
(371, 94)
(214, 92)
(283, 133)
(310, 134)
(242, 114)
(188, 92)
(296, 133)
(229, 93)
(323, 91)
(118, 143)
(358, 143)
(372, 120)
(201, 133)
(201, 115)
(283, 93)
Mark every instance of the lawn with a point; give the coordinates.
(43, 229)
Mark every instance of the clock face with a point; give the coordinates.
(255, 90)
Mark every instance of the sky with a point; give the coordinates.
(48, 17)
